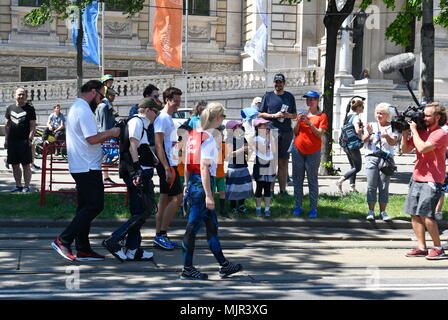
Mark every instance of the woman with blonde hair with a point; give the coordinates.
(378, 140)
(201, 162)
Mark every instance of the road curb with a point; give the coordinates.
(245, 223)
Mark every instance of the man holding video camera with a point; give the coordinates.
(427, 179)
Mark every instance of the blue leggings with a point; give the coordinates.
(198, 216)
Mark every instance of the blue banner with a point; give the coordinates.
(90, 52)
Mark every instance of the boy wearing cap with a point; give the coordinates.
(105, 119)
(279, 106)
(137, 162)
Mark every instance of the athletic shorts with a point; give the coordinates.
(422, 198)
(173, 190)
(220, 184)
(19, 152)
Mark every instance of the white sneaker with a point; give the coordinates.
(370, 215)
(122, 254)
(138, 255)
(385, 216)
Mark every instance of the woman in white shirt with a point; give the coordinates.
(200, 169)
(379, 138)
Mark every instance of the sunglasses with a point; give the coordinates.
(101, 95)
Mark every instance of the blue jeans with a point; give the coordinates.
(141, 206)
(198, 216)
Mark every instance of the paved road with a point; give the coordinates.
(314, 264)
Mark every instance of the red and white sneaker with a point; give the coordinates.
(436, 254)
(64, 251)
(417, 253)
(89, 256)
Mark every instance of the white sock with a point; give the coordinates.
(258, 208)
(267, 208)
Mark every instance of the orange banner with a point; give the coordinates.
(167, 34)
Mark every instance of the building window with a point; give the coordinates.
(198, 7)
(33, 74)
(30, 3)
(117, 73)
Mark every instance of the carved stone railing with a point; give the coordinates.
(62, 90)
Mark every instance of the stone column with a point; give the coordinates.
(5, 20)
(344, 76)
(233, 25)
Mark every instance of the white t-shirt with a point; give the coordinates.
(373, 145)
(209, 151)
(136, 127)
(164, 124)
(81, 124)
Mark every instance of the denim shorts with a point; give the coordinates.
(422, 198)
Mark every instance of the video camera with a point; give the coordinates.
(400, 122)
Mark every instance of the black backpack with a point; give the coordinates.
(146, 152)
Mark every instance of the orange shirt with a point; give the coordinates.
(306, 141)
(220, 169)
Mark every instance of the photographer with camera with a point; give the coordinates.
(427, 179)
(137, 162)
(379, 142)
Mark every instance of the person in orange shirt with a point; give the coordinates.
(220, 185)
(308, 132)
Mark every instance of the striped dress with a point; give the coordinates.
(238, 179)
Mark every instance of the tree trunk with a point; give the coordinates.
(427, 44)
(333, 21)
(79, 39)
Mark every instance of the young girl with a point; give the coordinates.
(238, 182)
(201, 162)
(264, 166)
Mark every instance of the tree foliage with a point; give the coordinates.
(62, 9)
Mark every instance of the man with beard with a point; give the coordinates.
(84, 160)
(427, 179)
(279, 107)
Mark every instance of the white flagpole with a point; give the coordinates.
(186, 54)
(103, 9)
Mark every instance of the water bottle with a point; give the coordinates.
(283, 109)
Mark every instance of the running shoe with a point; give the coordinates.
(385, 216)
(436, 254)
(229, 268)
(267, 213)
(115, 249)
(26, 190)
(191, 273)
(370, 215)
(17, 189)
(417, 253)
(297, 211)
(163, 242)
(242, 209)
(138, 255)
(313, 213)
(258, 212)
(89, 256)
(64, 251)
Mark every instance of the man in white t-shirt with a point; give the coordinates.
(84, 160)
(166, 149)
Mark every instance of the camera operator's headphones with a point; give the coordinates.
(349, 104)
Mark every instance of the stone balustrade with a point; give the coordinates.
(63, 90)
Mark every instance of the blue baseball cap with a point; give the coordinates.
(312, 94)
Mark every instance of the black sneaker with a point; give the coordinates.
(113, 246)
(192, 273)
(229, 268)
